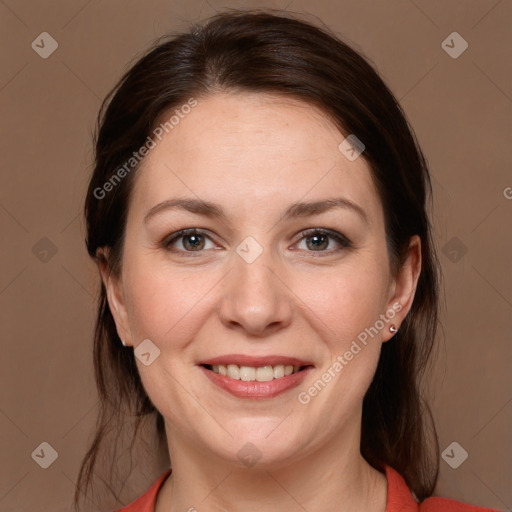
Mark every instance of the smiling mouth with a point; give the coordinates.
(255, 374)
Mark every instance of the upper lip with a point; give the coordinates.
(256, 362)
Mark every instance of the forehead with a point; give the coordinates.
(245, 150)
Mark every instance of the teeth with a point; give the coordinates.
(233, 371)
(260, 374)
(247, 373)
(278, 371)
(264, 374)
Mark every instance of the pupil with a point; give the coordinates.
(195, 244)
(317, 237)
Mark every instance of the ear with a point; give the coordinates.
(115, 296)
(403, 286)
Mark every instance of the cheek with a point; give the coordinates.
(164, 304)
(344, 302)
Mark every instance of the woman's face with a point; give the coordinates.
(252, 284)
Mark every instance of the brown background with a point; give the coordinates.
(461, 111)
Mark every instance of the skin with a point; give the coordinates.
(254, 155)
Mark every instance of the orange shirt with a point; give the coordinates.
(400, 498)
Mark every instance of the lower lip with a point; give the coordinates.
(255, 389)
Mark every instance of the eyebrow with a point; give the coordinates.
(300, 209)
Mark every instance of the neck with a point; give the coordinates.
(334, 478)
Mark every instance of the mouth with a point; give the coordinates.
(255, 374)
(251, 377)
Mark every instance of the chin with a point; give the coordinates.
(259, 446)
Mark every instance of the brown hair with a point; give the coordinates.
(262, 51)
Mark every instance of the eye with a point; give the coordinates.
(320, 238)
(194, 240)
(191, 240)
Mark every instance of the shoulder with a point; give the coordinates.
(401, 499)
(434, 504)
(146, 502)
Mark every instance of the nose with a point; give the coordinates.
(255, 300)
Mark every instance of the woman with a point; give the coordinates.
(269, 282)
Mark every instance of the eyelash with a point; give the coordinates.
(340, 238)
